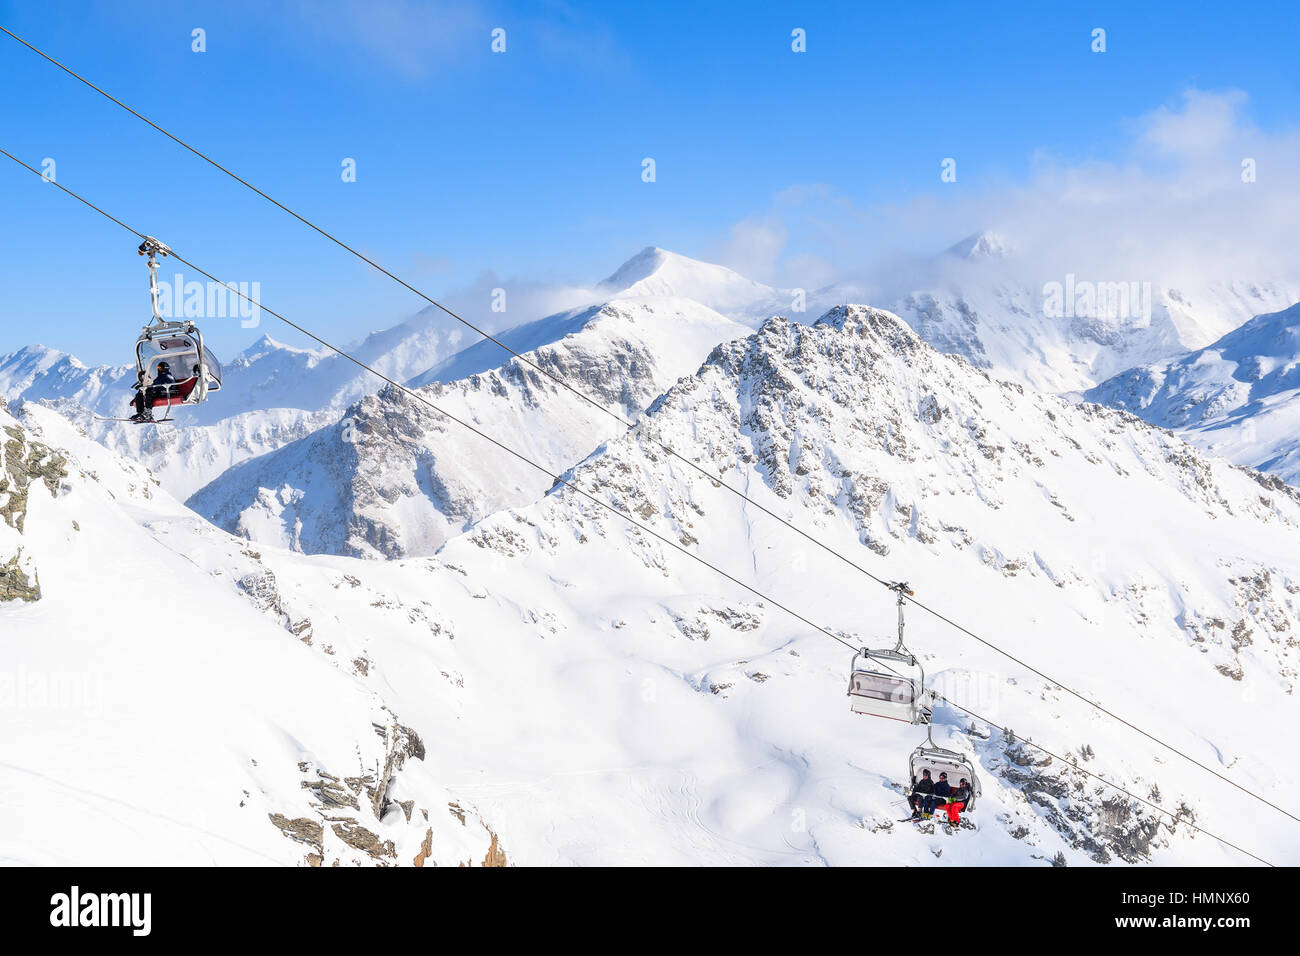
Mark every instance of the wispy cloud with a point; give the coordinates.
(414, 38)
(419, 39)
(753, 247)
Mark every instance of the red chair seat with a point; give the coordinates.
(179, 392)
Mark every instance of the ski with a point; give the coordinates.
(937, 820)
(131, 421)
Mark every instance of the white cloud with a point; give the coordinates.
(1206, 123)
(752, 247)
(1172, 209)
(525, 300)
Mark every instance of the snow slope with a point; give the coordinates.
(596, 696)
(155, 712)
(1239, 397)
(393, 478)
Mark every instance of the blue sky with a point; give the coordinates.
(477, 167)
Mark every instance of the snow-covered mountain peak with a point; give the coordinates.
(658, 272)
(1273, 335)
(267, 345)
(21, 369)
(868, 320)
(667, 320)
(34, 354)
(642, 265)
(981, 245)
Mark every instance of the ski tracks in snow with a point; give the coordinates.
(90, 797)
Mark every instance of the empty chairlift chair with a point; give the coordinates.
(878, 690)
(879, 693)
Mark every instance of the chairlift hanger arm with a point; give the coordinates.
(900, 588)
(152, 248)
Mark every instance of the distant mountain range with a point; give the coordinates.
(659, 315)
(1239, 397)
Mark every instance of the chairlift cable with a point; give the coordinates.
(1068, 763)
(561, 480)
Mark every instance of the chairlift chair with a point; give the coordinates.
(877, 693)
(881, 691)
(937, 760)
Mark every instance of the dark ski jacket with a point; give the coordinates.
(164, 378)
(942, 788)
(960, 794)
(923, 786)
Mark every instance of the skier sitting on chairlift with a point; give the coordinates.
(921, 791)
(146, 395)
(942, 789)
(957, 801)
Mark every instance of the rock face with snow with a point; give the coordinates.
(859, 425)
(24, 463)
(394, 478)
(1043, 525)
(1239, 397)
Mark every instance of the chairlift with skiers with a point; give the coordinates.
(173, 365)
(938, 760)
